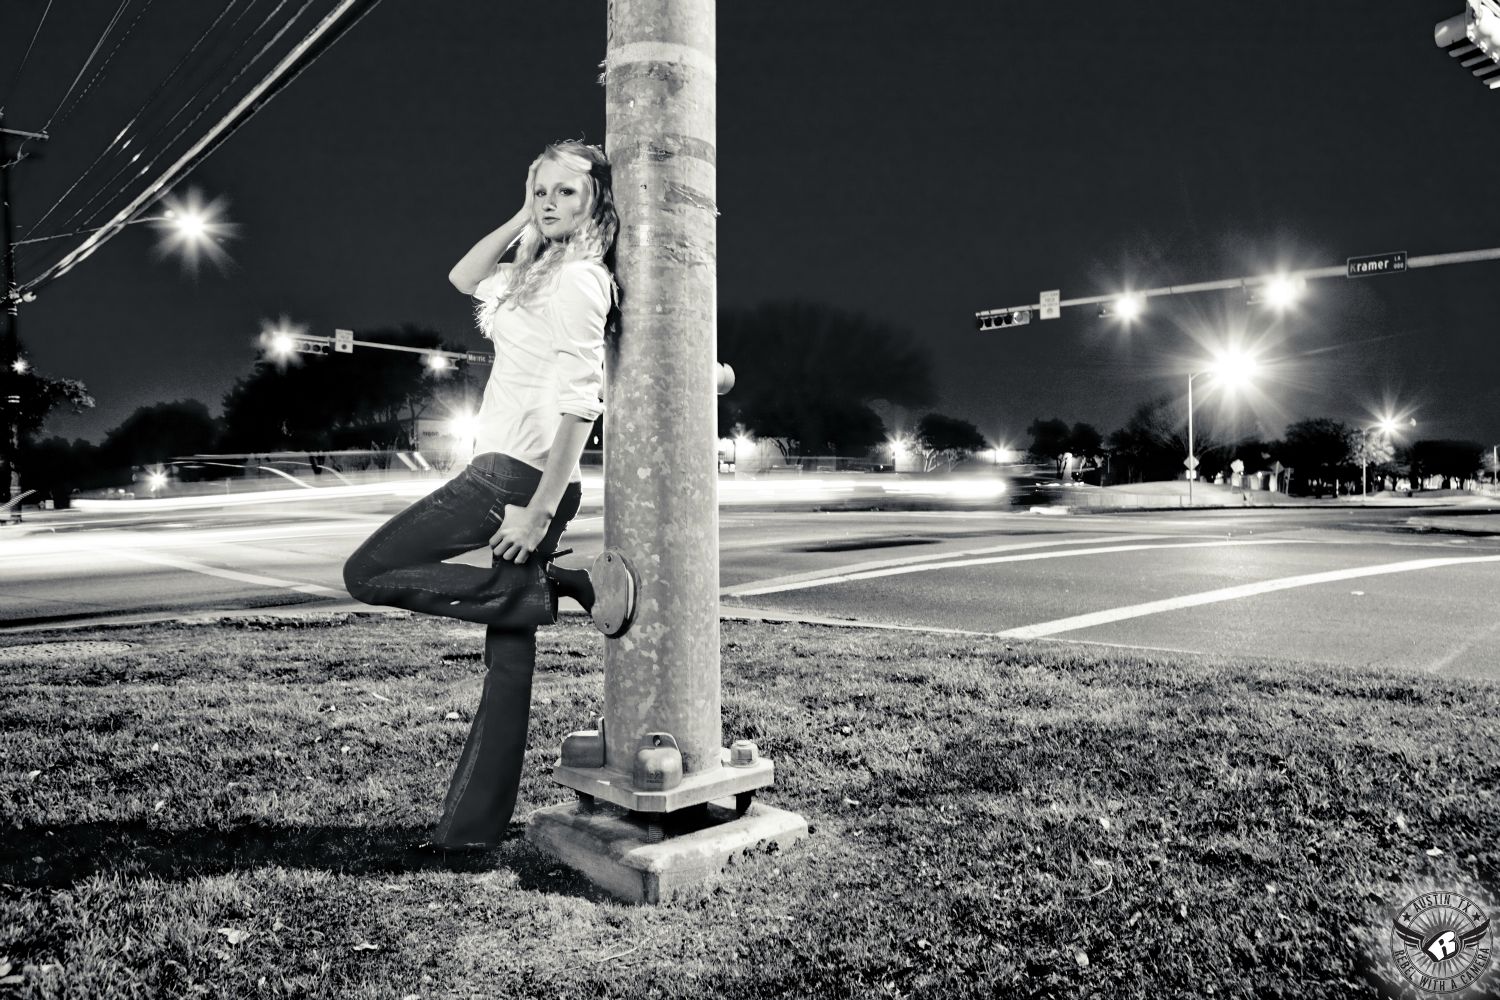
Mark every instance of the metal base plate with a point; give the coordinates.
(704, 786)
(612, 852)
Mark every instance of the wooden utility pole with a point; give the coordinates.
(10, 308)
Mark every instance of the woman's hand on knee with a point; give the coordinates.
(521, 531)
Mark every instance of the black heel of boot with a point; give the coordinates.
(574, 583)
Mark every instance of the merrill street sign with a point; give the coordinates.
(1380, 263)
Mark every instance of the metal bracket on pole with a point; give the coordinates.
(614, 593)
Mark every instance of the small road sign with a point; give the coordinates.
(1191, 461)
(477, 358)
(1379, 263)
(1050, 304)
(343, 341)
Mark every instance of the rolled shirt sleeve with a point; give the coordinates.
(580, 306)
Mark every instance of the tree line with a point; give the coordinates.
(810, 376)
(1319, 455)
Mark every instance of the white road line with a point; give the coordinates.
(901, 567)
(226, 574)
(1230, 594)
(797, 581)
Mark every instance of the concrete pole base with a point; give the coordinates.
(610, 846)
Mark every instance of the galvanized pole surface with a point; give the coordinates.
(660, 483)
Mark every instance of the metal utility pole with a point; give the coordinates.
(661, 508)
(657, 582)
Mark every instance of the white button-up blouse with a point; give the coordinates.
(549, 360)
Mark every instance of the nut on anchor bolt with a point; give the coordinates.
(658, 764)
(585, 747)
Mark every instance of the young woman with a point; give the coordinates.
(546, 313)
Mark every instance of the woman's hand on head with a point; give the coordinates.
(521, 531)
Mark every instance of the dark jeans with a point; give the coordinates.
(403, 565)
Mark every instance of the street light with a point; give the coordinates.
(1280, 292)
(1233, 368)
(1127, 307)
(1386, 425)
(187, 224)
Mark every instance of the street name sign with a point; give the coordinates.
(1050, 304)
(1379, 263)
(476, 358)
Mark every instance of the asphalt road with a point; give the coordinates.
(1405, 588)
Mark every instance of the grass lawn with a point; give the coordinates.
(221, 810)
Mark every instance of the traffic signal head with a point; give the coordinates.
(1473, 38)
(994, 319)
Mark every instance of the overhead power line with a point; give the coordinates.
(333, 27)
(87, 62)
(124, 137)
(129, 30)
(193, 101)
(15, 77)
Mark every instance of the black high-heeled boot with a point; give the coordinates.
(574, 583)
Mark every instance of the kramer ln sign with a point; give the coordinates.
(1380, 263)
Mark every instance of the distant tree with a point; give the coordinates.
(1455, 461)
(1489, 460)
(946, 440)
(153, 434)
(1050, 440)
(54, 467)
(1152, 444)
(333, 400)
(1085, 441)
(40, 396)
(807, 372)
(1320, 453)
(1374, 453)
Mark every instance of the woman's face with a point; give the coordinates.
(559, 202)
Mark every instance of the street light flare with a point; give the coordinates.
(463, 425)
(1282, 291)
(20, 366)
(1234, 366)
(438, 362)
(1129, 306)
(279, 339)
(194, 228)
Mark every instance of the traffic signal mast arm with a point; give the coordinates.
(1252, 282)
(474, 357)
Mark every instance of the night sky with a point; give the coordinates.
(916, 162)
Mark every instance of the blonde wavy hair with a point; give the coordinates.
(538, 257)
